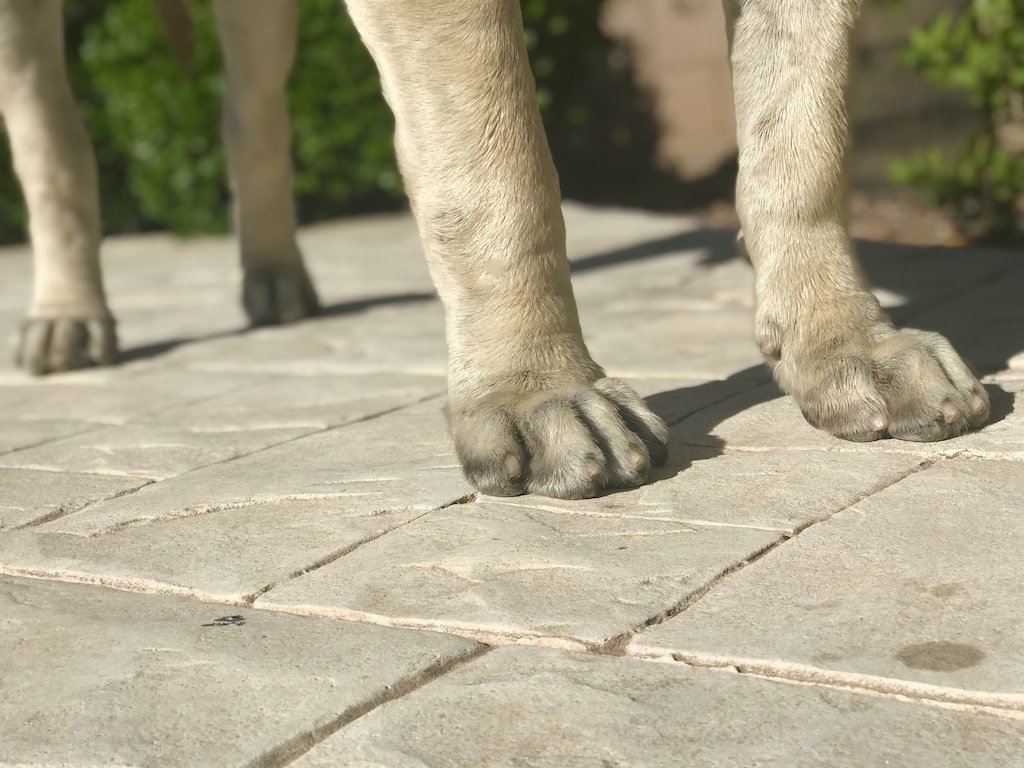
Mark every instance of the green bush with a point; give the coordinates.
(156, 130)
(979, 50)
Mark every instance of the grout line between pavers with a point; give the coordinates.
(199, 510)
(149, 417)
(147, 521)
(618, 643)
(62, 511)
(252, 597)
(153, 587)
(655, 516)
(88, 428)
(300, 744)
(975, 702)
(952, 452)
(296, 372)
(1007, 705)
(492, 637)
(133, 585)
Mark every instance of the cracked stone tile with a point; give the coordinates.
(402, 460)
(152, 451)
(225, 554)
(15, 435)
(27, 495)
(551, 709)
(98, 677)
(496, 569)
(305, 401)
(781, 490)
(920, 582)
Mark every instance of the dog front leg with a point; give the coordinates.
(528, 408)
(825, 337)
(68, 325)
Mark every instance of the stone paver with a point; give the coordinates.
(230, 554)
(108, 396)
(780, 491)
(919, 582)
(319, 402)
(403, 336)
(15, 435)
(98, 677)
(551, 709)
(152, 451)
(221, 472)
(402, 460)
(29, 496)
(509, 571)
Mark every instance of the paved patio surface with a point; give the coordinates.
(255, 548)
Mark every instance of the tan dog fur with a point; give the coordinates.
(528, 408)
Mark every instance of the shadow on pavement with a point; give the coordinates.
(931, 281)
(330, 310)
(719, 245)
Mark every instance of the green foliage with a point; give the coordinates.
(978, 50)
(156, 129)
(159, 123)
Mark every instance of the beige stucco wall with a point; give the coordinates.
(679, 55)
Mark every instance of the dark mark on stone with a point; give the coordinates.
(227, 621)
(947, 590)
(940, 656)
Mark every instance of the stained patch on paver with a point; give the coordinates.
(940, 656)
(920, 582)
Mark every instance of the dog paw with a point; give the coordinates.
(55, 344)
(909, 384)
(568, 442)
(276, 295)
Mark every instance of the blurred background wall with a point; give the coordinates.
(679, 53)
(635, 96)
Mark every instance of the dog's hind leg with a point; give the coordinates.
(258, 43)
(68, 325)
(528, 408)
(825, 337)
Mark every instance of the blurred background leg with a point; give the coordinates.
(258, 45)
(69, 325)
